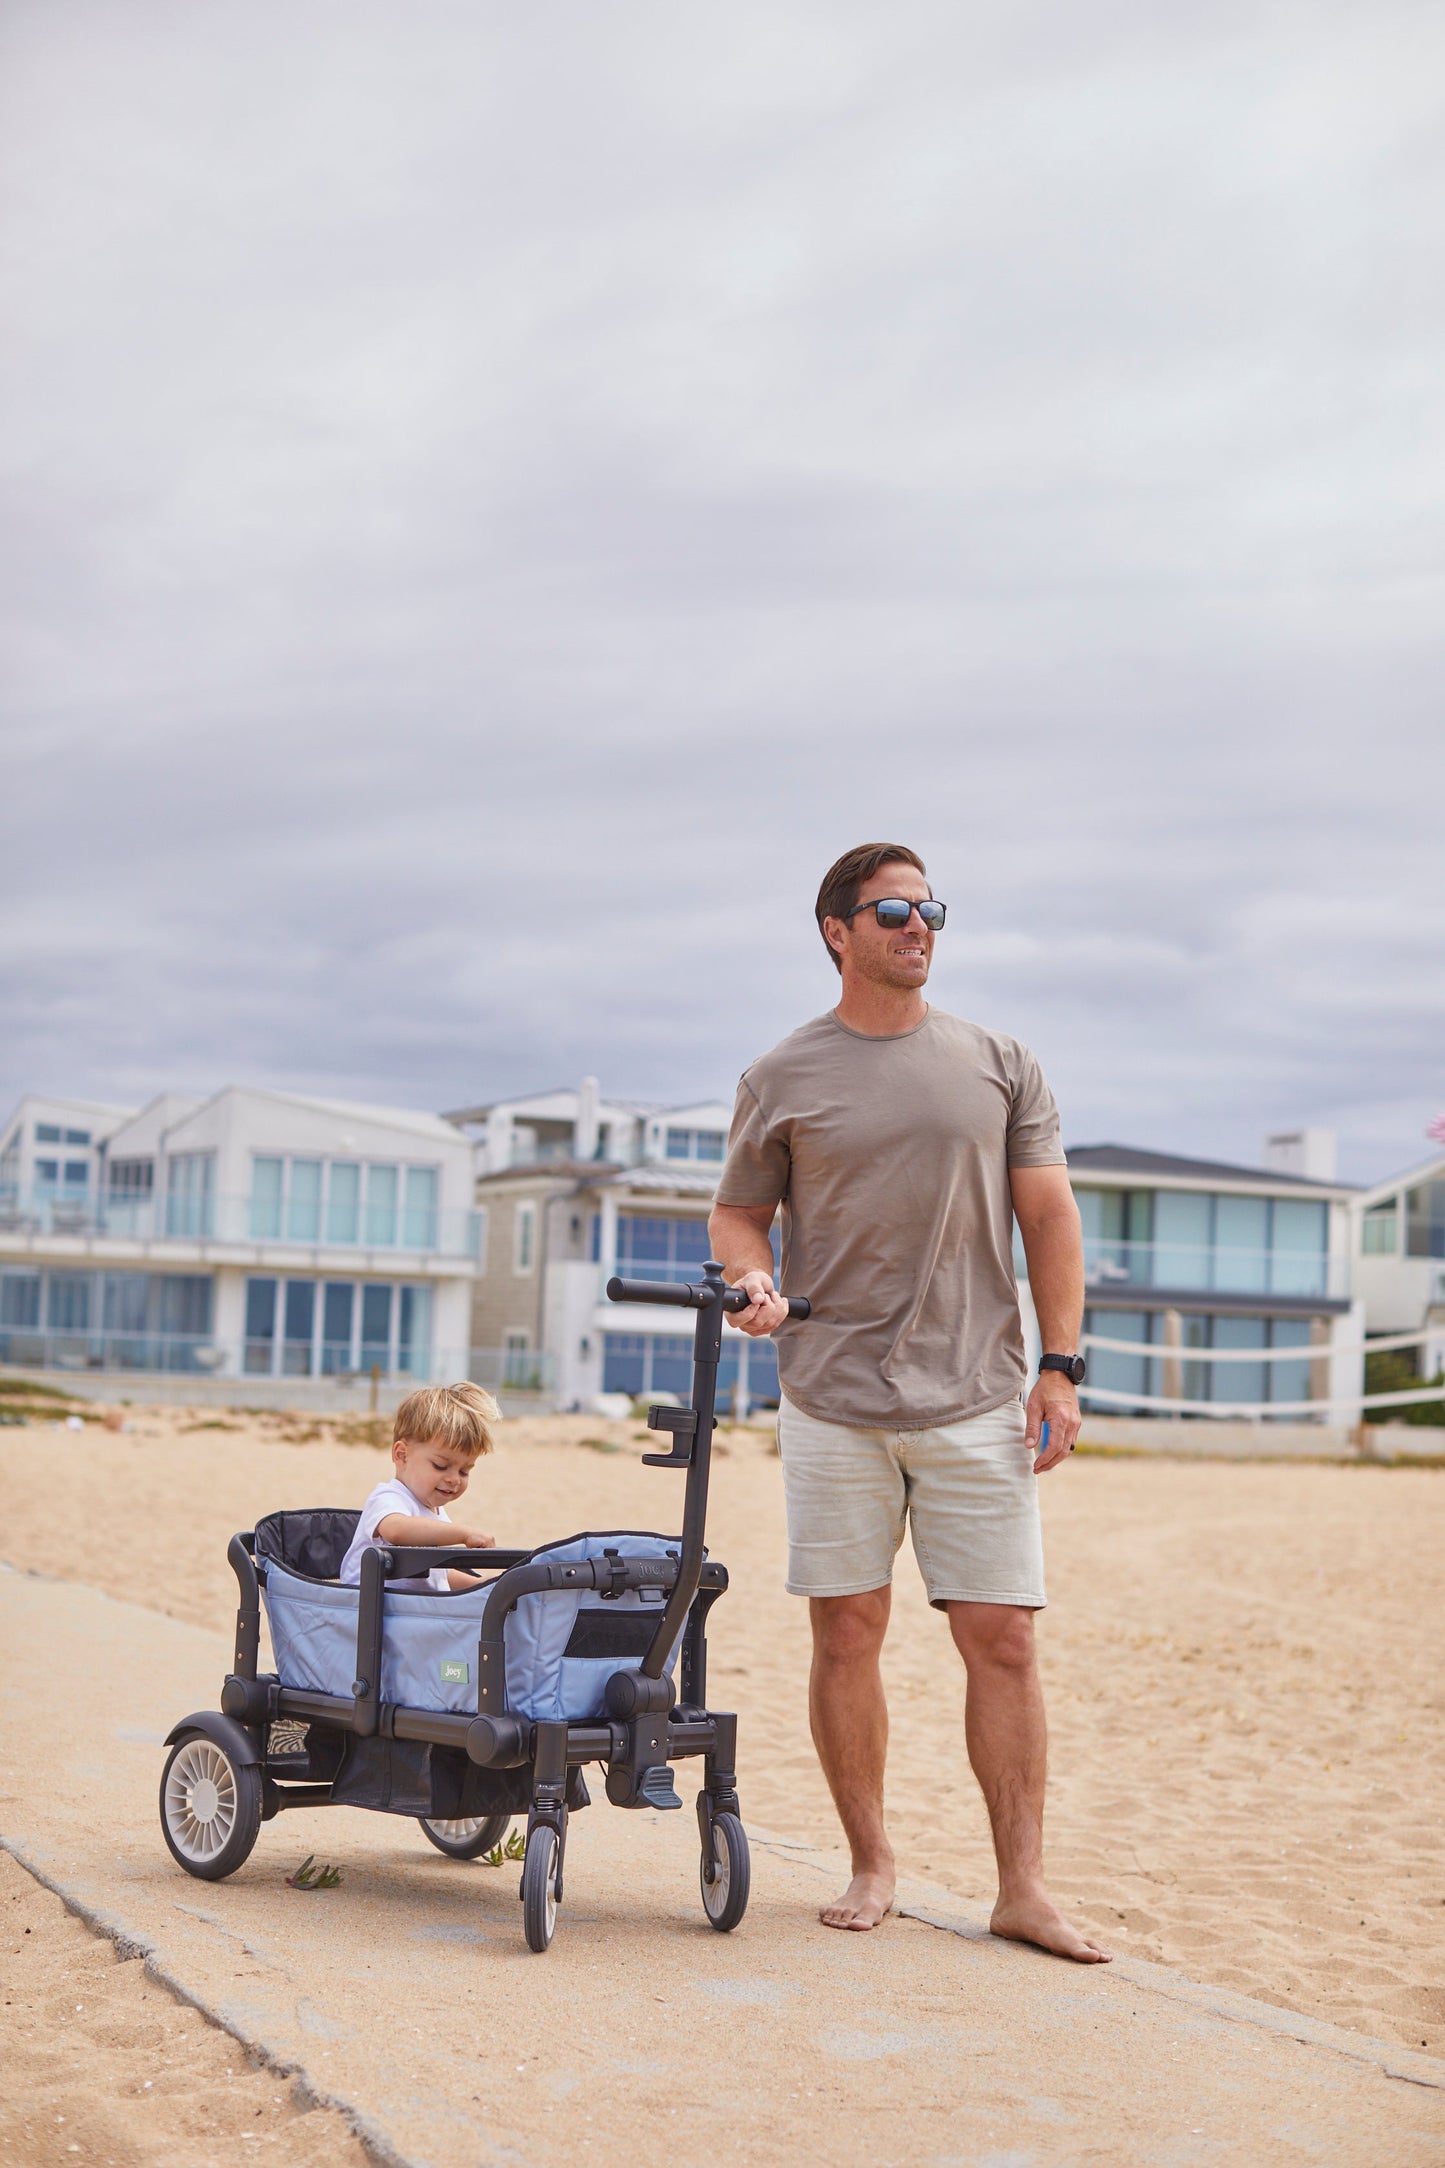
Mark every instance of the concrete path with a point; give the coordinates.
(408, 1998)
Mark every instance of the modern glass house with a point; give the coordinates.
(252, 1234)
(1184, 1256)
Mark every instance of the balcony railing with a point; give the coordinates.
(445, 1231)
(504, 1370)
(1184, 1268)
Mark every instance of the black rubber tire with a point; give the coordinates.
(485, 1838)
(539, 1878)
(214, 1841)
(725, 1897)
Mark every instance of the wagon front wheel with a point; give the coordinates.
(466, 1839)
(725, 1892)
(539, 1887)
(210, 1808)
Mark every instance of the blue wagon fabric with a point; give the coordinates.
(561, 1646)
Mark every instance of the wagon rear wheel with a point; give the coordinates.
(467, 1839)
(210, 1808)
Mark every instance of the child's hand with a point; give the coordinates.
(474, 1539)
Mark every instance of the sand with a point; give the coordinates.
(1247, 1704)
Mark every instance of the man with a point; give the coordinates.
(901, 1143)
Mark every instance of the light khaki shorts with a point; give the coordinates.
(967, 1491)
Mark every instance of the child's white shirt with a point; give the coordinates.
(392, 1496)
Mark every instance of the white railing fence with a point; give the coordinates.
(1159, 1352)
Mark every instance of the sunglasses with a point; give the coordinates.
(895, 911)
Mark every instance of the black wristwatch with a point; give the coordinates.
(1073, 1366)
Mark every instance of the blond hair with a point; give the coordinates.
(457, 1416)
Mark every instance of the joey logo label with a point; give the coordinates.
(454, 1673)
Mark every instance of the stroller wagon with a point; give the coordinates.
(465, 1709)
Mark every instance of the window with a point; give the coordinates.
(1380, 1229)
(1425, 1220)
(126, 1301)
(189, 1201)
(20, 1300)
(266, 1177)
(77, 1174)
(524, 1237)
(375, 1326)
(413, 1332)
(260, 1326)
(343, 1201)
(517, 1366)
(47, 1173)
(300, 1322)
(1297, 1247)
(303, 1201)
(640, 1363)
(47, 1133)
(1236, 1381)
(67, 1307)
(661, 1249)
(1111, 1371)
(708, 1144)
(419, 1212)
(1241, 1243)
(77, 1136)
(381, 1206)
(337, 1304)
(132, 1177)
(1181, 1236)
(1117, 1227)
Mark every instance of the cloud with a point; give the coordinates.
(497, 505)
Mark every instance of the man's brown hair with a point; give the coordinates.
(458, 1416)
(846, 876)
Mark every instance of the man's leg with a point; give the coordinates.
(1008, 1747)
(850, 1731)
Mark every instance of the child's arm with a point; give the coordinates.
(421, 1529)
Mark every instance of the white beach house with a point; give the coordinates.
(1400, 1259)
(254, 1234)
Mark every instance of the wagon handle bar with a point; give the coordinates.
(690, 1295)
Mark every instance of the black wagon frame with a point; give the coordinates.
(649, 1725)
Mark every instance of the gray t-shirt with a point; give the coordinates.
(890, 1158)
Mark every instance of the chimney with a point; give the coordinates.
(1310, 1153)
(584, 1134)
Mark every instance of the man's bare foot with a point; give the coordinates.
(863, 1903)
(1039, 1920)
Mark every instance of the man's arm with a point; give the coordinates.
(1054, 1246)
(739, 1237)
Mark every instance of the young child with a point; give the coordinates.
(438, 1436)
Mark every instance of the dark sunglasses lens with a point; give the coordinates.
(932, 915)
(893, 911)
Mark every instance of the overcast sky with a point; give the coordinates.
(499, 498)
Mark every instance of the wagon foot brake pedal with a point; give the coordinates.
(657, 1787)
(682, 1422)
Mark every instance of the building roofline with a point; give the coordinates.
(1126, 1159)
